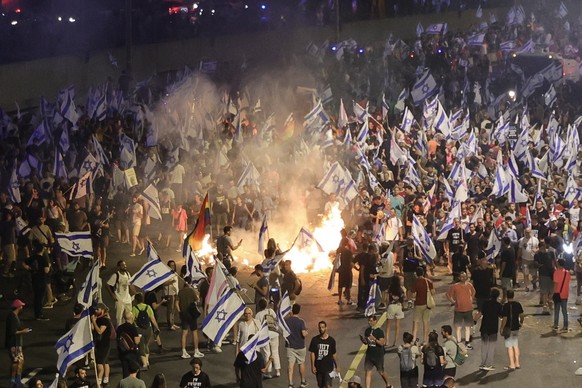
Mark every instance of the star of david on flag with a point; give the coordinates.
(73, 346)
(75, 243)
(223, 316)
(152, 274)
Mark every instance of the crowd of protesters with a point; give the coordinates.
(538, 238)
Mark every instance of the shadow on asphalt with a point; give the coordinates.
(482, 377)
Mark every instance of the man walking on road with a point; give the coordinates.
(323, 356)
(14, 332)
(374, 338)
(119, 289)
(296, 345)
(461, 295)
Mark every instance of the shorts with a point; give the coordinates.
(506, 283)
(135, 229)
(463, 318)
(409, 279)
(528, 268)
(16, 354)
(421, 313)
(102, 354)
(323, 379)
(187, 322)
(296, 355)
(512, 342)
(384, 283)
(372, 362)
(578, 277)
(546, 285)
(394, 311)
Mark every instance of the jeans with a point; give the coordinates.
(564, 306)
(488, 342)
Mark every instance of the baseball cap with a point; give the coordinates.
(356, 380)
(16, 303)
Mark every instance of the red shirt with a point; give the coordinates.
(561, 275)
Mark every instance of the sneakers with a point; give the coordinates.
(350, 302)
(185, 354)
(198, 354)
(564, 330)
(303, 384)
(469, 346)
(48, 306)
(381, 306)
(132, 254)
(217, 349)
(488, 367)
(340, 302)
(42, 318)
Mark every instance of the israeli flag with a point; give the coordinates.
(400, 102)
(263, 234)
(258, 340)
(222, 317)
(342, 119)
(193, 266)
(448, 190)
(527, 218)
(476, 40)
(67, 106)
(493, 246)
(371, 302)
(363, 134)
(450, 222)
(250, 176)
(150, 195)
(562, 11)
(64, 142)
(39, 136)
(305, 239)
(359, 112)
(553, 72)
(479, 13)
(515, 194)
(507, 46)
(533, 166)
(75, 344)
(270, 263)
(76, 243)
(501, 184)
(435, 29)
(407, 120)
(282, 311)
(152, 274)
(423, 240)
(424, 88)
(89, 289)
(419, 30)
(550, 97)
(59, 169)
(442, 122)
(14, 187)
(528, 47)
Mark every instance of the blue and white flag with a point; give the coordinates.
(476, 40)
(151, 197)
(479, 13)
(442, 122)
(75, 243)
(82, 187)
(515, 194)
(385, 107)
(407, 120)
(412, 177)
(423, 241)
(553, 72)
(550, 97)
(282, 311)
(305, 239)
(39, 136)
(14, 187)
(360, 113)
(249, 176)
(336, 180)
(424, 88)
(493, 246)
(317, 114)
(270, 263)
(562, 11)
(64, 141)
(535, 170)
(507, 45)
(67, 107)
(528, 47)
(448, 191)
(152, 274)
(450, 222)
(257, 341)
(127, 157)
(532, 84)
(89, 165)
(501, 184)
(527, 218)
(342, 119)
(363, 134)
(438, 28)
(193, 266)
(396, 152)
(59, 169)
(75, 344)
(521, 149)
(89, 290)
(400, 102)
(263, 234)
(370, 308)
(223, 316)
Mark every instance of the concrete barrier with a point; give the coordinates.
(24, 82)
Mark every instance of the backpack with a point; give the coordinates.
(406, 359)
(298, 287)
(430, 358)
(271, 323)
(143, 319)
(125, 343)
(462, 354)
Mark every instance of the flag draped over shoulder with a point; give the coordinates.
(75, 243)
(196, 237)
(73, 346)
(258, 340)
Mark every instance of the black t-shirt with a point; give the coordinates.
(346, 260)
(508, 257)
(439, 352)
(150, 299)
(545, 262)
(250, 374)
(491, 311)
(105, 338)
(473, 244)
(482, 282)
(455, 238)
(37, 265)
(367, 263)
(189, 380)
(512, 309)
(324, 350)
(460, 262)
(79, 383)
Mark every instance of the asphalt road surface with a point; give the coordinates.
(547, 359)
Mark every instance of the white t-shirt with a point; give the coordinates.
(120, 281)
(387, 261)
(393, 226)
(177, 174)
(261, 317)
(528, 247)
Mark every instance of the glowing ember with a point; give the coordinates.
(328, 235)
